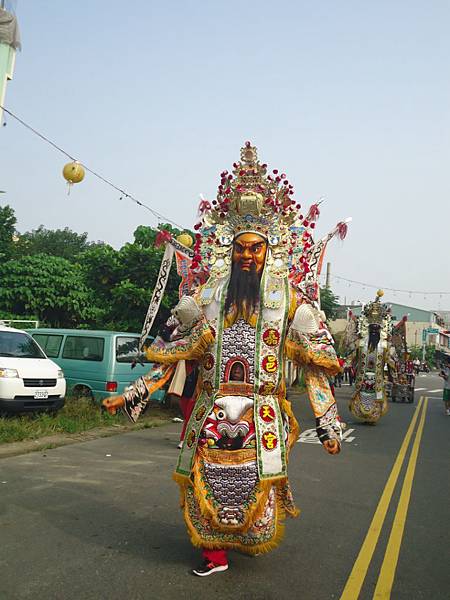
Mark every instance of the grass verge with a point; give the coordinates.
(78, 415)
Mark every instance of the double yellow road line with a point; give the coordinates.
(387, 573)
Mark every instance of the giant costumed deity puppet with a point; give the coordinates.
(258, 305)
(369, 335)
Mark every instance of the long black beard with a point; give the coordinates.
(374, 337)
(243, 291)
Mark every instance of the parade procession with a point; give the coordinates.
(224, 301)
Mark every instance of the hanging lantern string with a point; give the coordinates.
(160, 217)
(383, 287)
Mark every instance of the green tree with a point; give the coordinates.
(55, 242)
(430, 354)
(95, 285)
(130, 297)
(123, 280)
(7, 230)
(101, 269)
(329, 303)
(145, 236)
(50, 287)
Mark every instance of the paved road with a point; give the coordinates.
(100, 520)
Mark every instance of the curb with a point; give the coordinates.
(64, 439)
(48, 442)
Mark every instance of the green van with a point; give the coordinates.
(95, 363)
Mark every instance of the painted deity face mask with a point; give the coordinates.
(249, 252)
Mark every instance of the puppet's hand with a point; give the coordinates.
(187, 312)
(112, 404)
(332, 446)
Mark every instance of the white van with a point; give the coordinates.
(29, 381)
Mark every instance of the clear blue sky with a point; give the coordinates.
(350, 98)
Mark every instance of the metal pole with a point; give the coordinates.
(327, 280)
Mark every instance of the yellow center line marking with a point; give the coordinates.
(389, 566)
(356, 579)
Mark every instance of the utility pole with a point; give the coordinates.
(9, 43)
(327, 279)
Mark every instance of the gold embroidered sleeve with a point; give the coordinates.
(323, 404)
(191, 347)
(294, 303)
(312, 349)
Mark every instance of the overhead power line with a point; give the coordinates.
(123, 193)
(383, 287)
(161, 217)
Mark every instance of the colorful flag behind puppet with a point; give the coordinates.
(183, 257)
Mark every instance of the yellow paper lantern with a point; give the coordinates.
(185, 239)
(73, 172)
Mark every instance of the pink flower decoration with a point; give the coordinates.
(204, 206)
(314, 212)
(162, 238)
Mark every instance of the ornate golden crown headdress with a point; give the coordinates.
(249, 199)
(252, 199)
(375, 311)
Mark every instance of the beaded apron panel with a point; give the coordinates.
(238, 342)
(231, 486)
